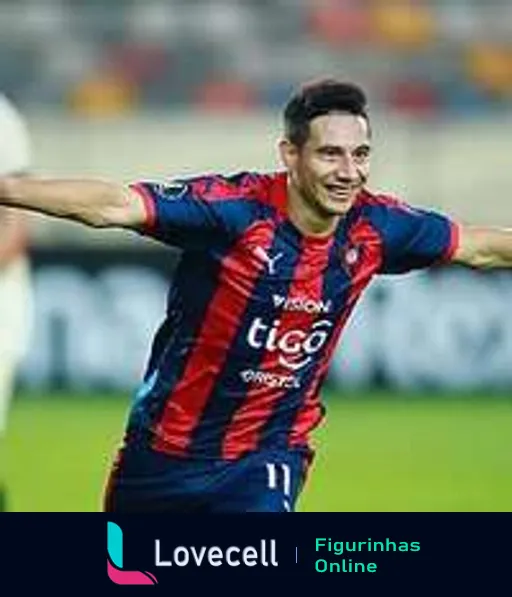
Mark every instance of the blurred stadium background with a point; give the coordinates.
(419, 408)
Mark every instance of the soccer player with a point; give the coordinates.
(272, 266)
(14, 270)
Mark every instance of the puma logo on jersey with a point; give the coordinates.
(267, 259)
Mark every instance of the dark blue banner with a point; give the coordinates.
(349, 553)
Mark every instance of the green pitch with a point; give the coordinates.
(375, 453)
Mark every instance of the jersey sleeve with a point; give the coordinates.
(188, 214)
(416, 238)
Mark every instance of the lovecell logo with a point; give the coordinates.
(115, 561)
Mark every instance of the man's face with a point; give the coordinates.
(332, 167)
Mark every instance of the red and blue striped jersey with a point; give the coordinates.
(256, 308)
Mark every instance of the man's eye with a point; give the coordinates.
(361, 154)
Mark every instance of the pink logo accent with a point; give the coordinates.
(129, 577)
(115, 570)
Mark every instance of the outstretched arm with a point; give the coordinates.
(484, 247)
(12, 235)
(94, 203)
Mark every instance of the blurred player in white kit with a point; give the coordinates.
(15, 290)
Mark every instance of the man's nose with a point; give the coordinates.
(346, 168)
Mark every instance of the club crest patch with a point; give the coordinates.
(350, 255)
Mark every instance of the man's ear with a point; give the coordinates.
(289, 153)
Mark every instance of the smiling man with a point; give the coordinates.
(272, 266)
(327, 156)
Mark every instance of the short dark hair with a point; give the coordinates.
(318, 98)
